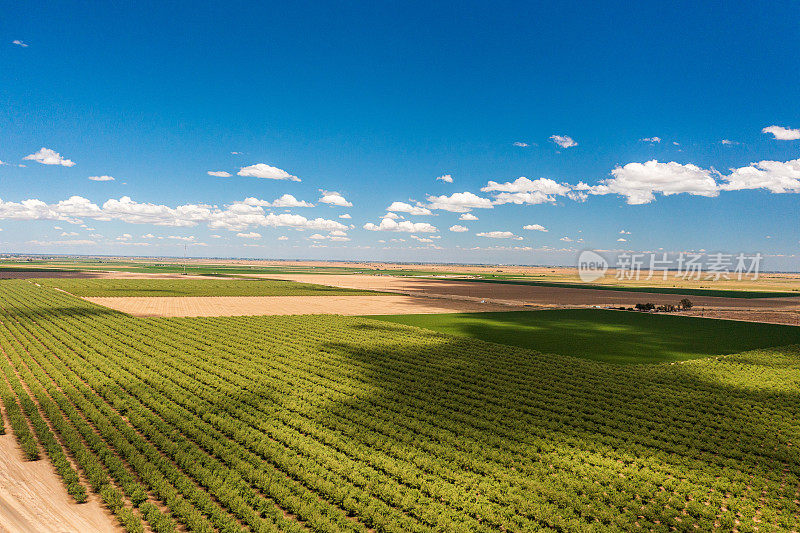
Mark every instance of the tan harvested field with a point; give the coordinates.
(33, 498)
(290, 305)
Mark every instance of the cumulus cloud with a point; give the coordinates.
(264, 171)
(726, 141)
(774, 176)
(393, 216)
(535, 227)
(250, 235)
(47, 156)
(219, 173)
(19, 43)
(651, 140)
(520, 144)
(287, 200)
(499, 235)
(236, 217)
(338, 236)
(403, 207)
(283, 238)
(639, 182)
(447, 178)
(623, 232)
(101, 178)
(565, 239)
(622, 240)
(564, 141)
(467, 216)
(345, 215)
(406, 226)
(334, 198)
(458, 228)
(76, 242)
(459, 202)
(68, 234)
(783, 134)
(526, 191)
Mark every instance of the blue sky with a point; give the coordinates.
(368, 103)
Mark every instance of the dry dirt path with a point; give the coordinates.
(291, 305)
(33, 498)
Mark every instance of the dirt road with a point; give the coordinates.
(33, 498)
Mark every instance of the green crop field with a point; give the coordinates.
(193, 287)
(611, 336)
(329, 423)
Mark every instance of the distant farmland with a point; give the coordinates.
(192, 287)
(347, 424)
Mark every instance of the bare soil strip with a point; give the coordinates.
(33, 498)
(290, 305)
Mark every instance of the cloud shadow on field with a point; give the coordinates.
(686, 419)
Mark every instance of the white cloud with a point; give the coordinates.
(523, 184)
(403, 207)
(447, 178)
(535, 227)
(338, 236)
(345, 215)
(393, 216)
(774, 176)
(467, 216)
(68, 234)
(459, 202)
(458, 228)
(101, 178)
(622, 240)
(421, 239)
(334, 198)
(148, 236)
(526, 191)
(264, 171)
(651, 139)
(521, 144)
(387, 224)
(250, 235)
(181, 238)
(287, 200)
(564, 141)
(219, 173)
(76, 242)
(19, 43)
(783, 134)
(500, 235)
(623, 232)
(283, 238)
(726, 141)
(565, 239)
(236, 217)
(236, 153)
(640, 181)
(47, 156)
